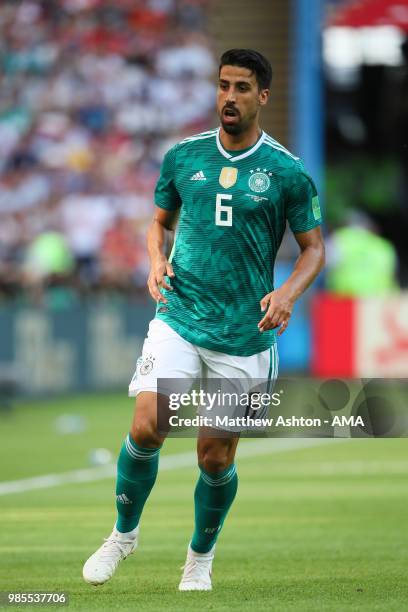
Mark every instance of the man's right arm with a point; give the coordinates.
(164, 222)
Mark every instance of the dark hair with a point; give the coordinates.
(254, 61)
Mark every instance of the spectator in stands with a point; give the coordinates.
(123, 264)
(91, 94)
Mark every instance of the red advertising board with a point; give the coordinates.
(362, 338)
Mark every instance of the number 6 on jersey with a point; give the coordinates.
(220, 208)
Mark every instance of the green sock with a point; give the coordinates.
(137, 471)
(213, 497)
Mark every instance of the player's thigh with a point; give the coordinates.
(166, 356)
(145, 429)
(168, 364)
(235, 381)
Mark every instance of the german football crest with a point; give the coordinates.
(145, 364)
(259, 181)
(228, 177)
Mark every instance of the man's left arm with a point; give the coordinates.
(279, 303)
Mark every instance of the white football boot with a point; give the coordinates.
(101, 566)
(197, 571)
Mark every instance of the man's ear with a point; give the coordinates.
(263, 97)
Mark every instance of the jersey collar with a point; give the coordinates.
(234, 158)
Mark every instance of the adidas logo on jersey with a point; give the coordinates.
(123, 499)
(198, 176)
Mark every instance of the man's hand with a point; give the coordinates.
(280, 307)
(308, 265)
(159, 269)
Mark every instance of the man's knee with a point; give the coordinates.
(145, 434)
(144, 426)
(214, 458)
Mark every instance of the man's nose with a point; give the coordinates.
(231, 95)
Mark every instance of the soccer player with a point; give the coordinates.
(231, 190)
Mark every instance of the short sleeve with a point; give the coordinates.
(166, 195)
(302, 203)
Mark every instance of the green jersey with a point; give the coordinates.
(233, 211)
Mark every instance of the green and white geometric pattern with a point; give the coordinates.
(234, 208)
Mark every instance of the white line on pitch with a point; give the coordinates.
(168, 462)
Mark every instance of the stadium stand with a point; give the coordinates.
(92, 93)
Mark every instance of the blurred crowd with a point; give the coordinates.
(92, 93)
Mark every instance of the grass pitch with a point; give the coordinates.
(320, 528)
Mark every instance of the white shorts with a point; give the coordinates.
(166, 355)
